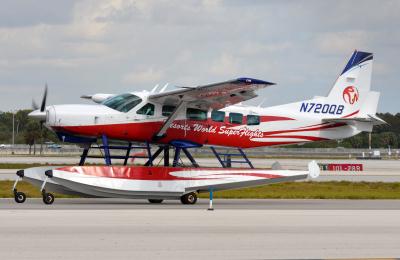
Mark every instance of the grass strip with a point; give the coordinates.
(29, 190)
(289, 190)
(30, 165)
(316, 190)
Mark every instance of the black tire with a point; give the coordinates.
(48, 198)
(156, 201)
(189, 199)
(19, 197)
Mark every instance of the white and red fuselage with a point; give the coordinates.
(348, 109)
(277, 125)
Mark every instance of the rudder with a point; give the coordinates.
(352, 87)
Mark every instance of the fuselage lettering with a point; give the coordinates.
(319, 108)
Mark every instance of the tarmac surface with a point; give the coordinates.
(202, 204)
(236, 229)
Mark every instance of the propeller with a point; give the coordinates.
(43, 104)
(39, 112)
(34, 105)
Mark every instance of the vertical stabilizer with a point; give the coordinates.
(352, 87)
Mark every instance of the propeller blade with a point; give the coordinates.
(43, 106)
(34, 105)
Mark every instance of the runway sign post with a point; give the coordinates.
(210, 206)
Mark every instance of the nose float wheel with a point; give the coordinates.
(190, 198)
(48, 198)
(19, 197)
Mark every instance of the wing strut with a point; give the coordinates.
(169, 121)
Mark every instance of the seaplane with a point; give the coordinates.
(190, 117)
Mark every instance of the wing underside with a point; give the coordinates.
(215, 96)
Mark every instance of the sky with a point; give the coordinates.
(95, 46)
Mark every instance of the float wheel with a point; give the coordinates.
(48, 198)
(19, 197)
(190, 198)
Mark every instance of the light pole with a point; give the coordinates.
(13, 129)
(13, 123)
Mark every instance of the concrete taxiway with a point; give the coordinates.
(236, 229)
(226, 204)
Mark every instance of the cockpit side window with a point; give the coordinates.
(147, 110)
(123, 102)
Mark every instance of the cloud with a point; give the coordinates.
(143, 76)
(116, 46)
(225, 65)
(30, 12)
(342, 42)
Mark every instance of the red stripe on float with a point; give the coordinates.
(152, 173)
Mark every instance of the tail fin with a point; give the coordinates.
(352, 87)
(352, 91)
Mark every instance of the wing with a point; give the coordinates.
(216, 96)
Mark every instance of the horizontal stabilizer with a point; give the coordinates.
(375, 120)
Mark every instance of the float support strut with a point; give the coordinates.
(166, 155)
(154, 156)
(106, 149)
(128, 151)
(245, 158)
(84, 154)
(177, 156)
(190, 157)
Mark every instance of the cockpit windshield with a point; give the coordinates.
(123, 102)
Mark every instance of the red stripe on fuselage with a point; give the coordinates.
(145, 131)
(304, 130)
(274, 118)
(305, 137)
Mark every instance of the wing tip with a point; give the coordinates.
(254, 81)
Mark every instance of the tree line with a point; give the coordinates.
(382, 136)
(28, 131)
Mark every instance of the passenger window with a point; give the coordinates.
(196, 114)
(167, 110)
(253, 120)
(217, 116)
(147, 110)
(235, 118)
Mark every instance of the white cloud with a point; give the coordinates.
(342, 42)
(143, 76)
(115, 46)
(225, 65)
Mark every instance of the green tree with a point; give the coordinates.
(32, 134)
(388, 139)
